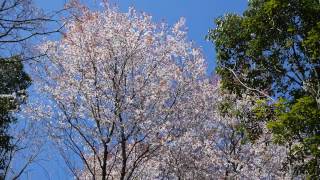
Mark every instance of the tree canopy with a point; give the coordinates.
(272, 52)
(20, 21)
(13, 84)
(122, 97)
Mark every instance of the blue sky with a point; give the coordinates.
(200, 15)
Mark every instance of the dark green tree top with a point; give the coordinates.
(273, 49)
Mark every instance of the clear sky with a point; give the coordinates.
(200, 15)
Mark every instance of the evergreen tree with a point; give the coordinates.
(13, 83)
(272, 52)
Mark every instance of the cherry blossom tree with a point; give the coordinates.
(127, 98)
(216, 147)
(241, 157)
(119, 87)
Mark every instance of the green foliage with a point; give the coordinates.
(298, 125)
(273, 47)
(273, 50)
(12, 76)
(312, 42)
(13, 82)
